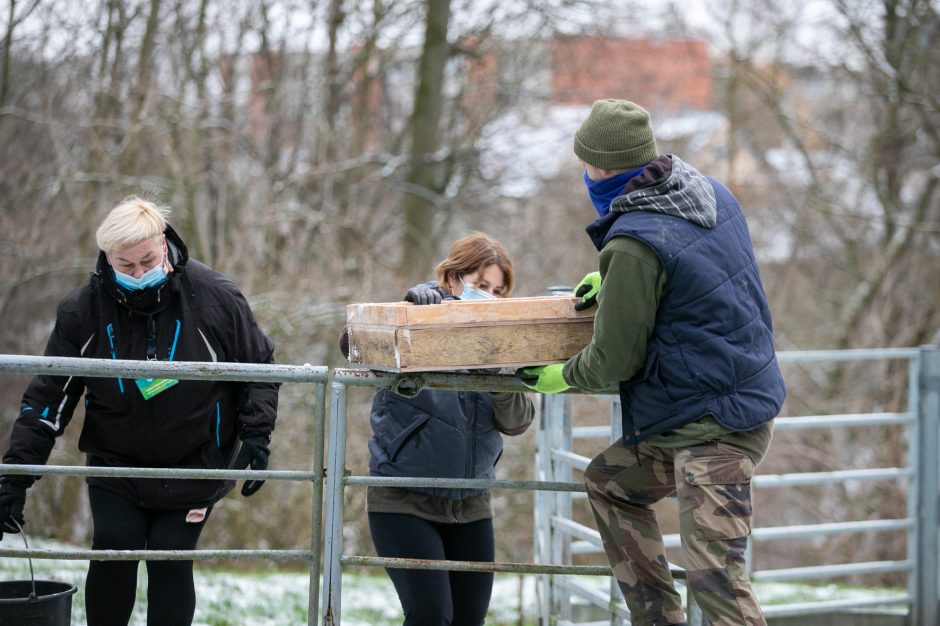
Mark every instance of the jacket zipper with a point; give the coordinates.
(472, 406)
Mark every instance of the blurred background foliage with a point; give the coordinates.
(323, 152)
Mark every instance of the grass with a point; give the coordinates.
(240, 598)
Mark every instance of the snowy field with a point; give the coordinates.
(227, 598)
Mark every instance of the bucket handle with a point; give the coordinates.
(32, 577)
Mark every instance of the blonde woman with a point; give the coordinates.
(149, 300)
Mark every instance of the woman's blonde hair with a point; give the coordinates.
(475, 252)
(129, 223)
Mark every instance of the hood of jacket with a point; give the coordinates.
(670, 185)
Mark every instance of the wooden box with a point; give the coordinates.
(506, 332)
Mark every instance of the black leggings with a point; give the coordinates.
(111, 586)
(437, 598)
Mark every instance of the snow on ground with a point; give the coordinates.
(227, 598)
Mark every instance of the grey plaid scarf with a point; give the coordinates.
(684, 192)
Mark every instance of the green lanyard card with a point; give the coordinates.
(149, 387)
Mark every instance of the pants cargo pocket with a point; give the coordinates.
(718, 494)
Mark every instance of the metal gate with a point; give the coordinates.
(558, 538)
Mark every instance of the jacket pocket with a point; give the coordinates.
(647, 399)
(717, 495)
(399, 441)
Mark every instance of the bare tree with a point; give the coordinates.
(422, 185)
(14, 18)
(848, 156)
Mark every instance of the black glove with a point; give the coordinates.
(12, 501)
(254, 452)
(344, 342)
(425, 294)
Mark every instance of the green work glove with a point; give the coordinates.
(587, 290)
(544, 378)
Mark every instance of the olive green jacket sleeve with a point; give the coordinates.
(632, 282)
(514, 412)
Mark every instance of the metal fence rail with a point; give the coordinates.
(243, 372)
(338, 478)
(557, 568)
(557, 536)
(564, 537)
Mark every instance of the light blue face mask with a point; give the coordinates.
(472, 293)
(156, 275)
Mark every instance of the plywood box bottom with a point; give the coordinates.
(507, 332)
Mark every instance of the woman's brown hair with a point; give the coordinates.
(475, 252)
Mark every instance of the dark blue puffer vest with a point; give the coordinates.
(712, 349)
(436, 434)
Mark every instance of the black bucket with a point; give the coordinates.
(35, 602)
(51, 605)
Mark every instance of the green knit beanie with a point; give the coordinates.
(616, 136)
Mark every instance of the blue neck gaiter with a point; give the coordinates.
(604, 191)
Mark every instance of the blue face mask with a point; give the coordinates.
(472, 293)
(151, 278)
(604, 191)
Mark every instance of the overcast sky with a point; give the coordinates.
(808, 23)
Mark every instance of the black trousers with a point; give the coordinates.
(111, 586)
(437, 598)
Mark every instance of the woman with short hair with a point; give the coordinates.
(148, 300)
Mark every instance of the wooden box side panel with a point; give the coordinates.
(500, 311)
(374, 346)
(509, 332)
(515, 345)
(471, 312)
(378, 314)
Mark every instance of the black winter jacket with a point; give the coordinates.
(198, 314)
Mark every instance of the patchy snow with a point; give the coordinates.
(261, 598)
(368, 599)
(699, 128)
(526, 146)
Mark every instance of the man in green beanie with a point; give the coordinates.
(682, 327)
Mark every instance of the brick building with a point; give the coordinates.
(668, 75)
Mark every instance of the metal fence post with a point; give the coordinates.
(556, 412)
(316, 528)
(616, 433)
(544, 509)
(333, 534)
(926, 610)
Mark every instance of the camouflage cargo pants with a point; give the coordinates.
(713, 484)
